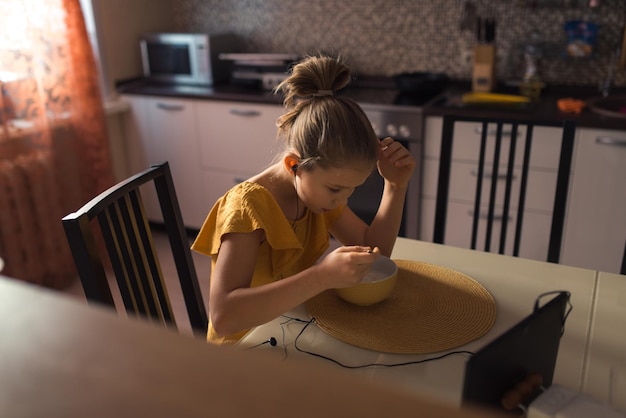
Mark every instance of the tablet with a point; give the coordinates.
(529, 347)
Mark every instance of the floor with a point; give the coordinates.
(203, 269)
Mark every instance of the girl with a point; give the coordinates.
(266, 234)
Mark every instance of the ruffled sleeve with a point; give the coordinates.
(245, 208)
(248, 207)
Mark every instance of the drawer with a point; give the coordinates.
(534, 242)
(540, 188)
(237, 136)
(545, 149)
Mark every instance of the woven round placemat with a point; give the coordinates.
(432, 308)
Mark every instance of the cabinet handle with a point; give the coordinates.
(485, 216)
(487, 175)
(605, 140)
(479, 130)
(245, 113)
(170, 107)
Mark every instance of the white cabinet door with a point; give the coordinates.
(164, 129)
(533, 242)
(236, 141)
(210, 145)
(542, 175)
(139, 148)
(175, 139)
(595, 228)
(136, 132)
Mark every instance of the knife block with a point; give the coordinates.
(484, 72)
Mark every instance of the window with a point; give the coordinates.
(90, 23)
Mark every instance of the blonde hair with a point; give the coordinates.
(324, 129)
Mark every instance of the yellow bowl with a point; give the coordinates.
(375, 287)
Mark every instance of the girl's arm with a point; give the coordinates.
(235, 306)
(396, 165)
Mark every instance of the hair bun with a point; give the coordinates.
(322, 93)
(314, 76)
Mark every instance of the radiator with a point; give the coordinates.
(32, 241)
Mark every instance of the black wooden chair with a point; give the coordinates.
(123, 229)
(495, 175)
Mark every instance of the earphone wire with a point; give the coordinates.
(347, 366)
(282, 330)
(295, 185)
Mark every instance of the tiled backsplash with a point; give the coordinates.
(392, 36)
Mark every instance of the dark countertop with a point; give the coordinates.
(545, 109)
(382, 91)
(223, 92)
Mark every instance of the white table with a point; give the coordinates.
(515, 284)
(605, 363)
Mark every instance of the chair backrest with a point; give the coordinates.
(123, 229)
(496, 169)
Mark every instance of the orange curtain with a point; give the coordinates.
(54, 152)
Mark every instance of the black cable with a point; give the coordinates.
(307, 323)
(569, 304)
(272, 341)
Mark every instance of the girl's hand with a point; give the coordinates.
(395, 162)
(346, 266)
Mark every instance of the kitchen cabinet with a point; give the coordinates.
(211, 145)
(595, 225)
(236, 141)
(542, 178)
(164, 129)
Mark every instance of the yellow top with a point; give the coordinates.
(286, 249)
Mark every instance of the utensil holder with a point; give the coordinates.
(483, 76)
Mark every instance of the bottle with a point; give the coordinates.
(531, 82)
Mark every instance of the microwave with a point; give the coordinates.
(186, 58)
